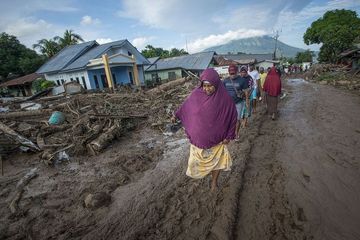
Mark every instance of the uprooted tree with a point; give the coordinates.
(337, 31)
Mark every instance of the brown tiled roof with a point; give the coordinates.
(22, 80)
(221, 61)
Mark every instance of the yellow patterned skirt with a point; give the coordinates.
(203, 161)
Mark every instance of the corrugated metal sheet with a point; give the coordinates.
(153, 59)
(221, 61)
(65, 57)
(197, 61)
(96, 52)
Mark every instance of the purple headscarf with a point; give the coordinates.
(208, 120)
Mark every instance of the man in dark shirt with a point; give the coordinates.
(238, 89)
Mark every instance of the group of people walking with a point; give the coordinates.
(216, 110)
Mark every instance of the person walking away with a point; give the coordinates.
(246, 113)
(263, 75)
(253, 97)
(238, 89)
(209, 118)
(272, 89)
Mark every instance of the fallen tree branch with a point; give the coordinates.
(168, 85)
(23, 114)
(14, 204)
(18, 138)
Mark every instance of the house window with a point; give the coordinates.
(62, 81)
(96, 82)
(77, 80)
(114, 78)
(131, 78)
(103, 81)
(129, 53)
(84, 83)
(58, 82)
(171, 75)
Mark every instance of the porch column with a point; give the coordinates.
(136, 73)
(108, 71)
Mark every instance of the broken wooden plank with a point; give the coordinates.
(23, 114)
(17, 137)
(117, 116)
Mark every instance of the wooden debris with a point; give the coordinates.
(18, 138)
(94, 120)
(23, 114)
(20, 189)
(168, 85)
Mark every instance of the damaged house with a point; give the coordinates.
(83, 63)
(168, 69)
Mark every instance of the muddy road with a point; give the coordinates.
(294, 178)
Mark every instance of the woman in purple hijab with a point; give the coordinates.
(209, 117)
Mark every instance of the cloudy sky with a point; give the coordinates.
(190, 24)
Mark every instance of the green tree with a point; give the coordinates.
(304, 56)
(48, 47)
(41, 84)
(174, 52)
(337, 31)
(69, 38)
(151, 51)
(16, 58)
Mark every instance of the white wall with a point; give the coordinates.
(264, 64)
(67, 76)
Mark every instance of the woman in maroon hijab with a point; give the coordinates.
(209, 118)
(272, 89)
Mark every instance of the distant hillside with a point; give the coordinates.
(255, 45)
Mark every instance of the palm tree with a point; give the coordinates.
(48, 47)
(69, 38)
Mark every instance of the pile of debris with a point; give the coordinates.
(86, 123)
(338, 75)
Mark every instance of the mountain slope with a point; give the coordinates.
(264, 44)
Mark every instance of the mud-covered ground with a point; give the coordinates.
(294, 178)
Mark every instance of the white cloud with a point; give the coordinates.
(181, 16)
(17, 17)
(88, 20)
(25, 27)
(214, 40)
(141, 42)
(104, 40)
(29, 30)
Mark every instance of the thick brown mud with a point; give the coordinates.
(294, 178)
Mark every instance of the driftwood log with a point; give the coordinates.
(104, 139)
(17, 137)
(168, 85)
(22, 114)
(14, 204)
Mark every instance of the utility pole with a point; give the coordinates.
(276, 40)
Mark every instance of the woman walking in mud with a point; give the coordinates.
(272, 89)
(209, 117)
